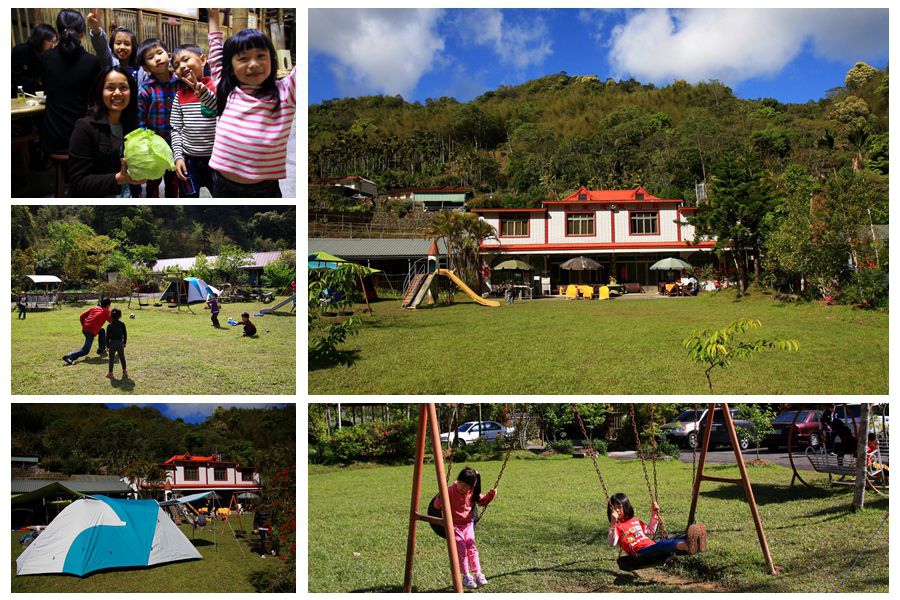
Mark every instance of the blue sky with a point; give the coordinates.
(793, 55)
(191, 413)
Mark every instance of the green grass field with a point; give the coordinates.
(625, 346)
(224, 568)
(168, 352)
(546, 531)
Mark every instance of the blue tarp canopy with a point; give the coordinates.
(187, 499)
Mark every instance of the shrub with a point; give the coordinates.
(868, 288)
(370, 442)
(563, 446)
(667, 448)
(600, 446)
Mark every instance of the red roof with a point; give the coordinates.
(189, 458)
(610, 196)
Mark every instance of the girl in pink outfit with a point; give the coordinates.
(465, 493)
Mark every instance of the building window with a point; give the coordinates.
(582, 197)
(192, 474)
(644, 223)
(580, 224)
(639, 196)
(514, 226)
(220, 474)
(246, 475)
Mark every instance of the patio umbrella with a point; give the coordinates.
(323, 260)
(247, 496)
(514, 265)
(580, 263)
(670, 264)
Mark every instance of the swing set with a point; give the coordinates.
(442, 522)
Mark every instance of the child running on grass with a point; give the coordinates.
(213, 304)
(92, 321)
(255, 114)
(116, 339)
(629, 533)
(465, 493)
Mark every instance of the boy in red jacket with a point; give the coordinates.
(92, 322)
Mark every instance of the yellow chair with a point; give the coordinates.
(571, 292)
(604, 293)
(586, 291)
(669, 288)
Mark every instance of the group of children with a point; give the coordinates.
(228, 128)
(213, 305)
(625, 530)
(115, 337)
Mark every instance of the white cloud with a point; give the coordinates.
(377, 50)
(518, 45)
(733, 45)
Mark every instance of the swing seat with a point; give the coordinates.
(435, 512)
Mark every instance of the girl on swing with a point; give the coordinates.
(629, 533)
(465, 493)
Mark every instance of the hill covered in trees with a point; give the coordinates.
(539, 140)
(91, 438)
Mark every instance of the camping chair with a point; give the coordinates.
(604, 293)
(586, 291)
(571, 292)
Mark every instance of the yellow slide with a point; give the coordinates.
(467, 289)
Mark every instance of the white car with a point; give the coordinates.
(682, 430)
(472, 430)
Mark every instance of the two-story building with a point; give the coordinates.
(186, 474)
(625, 231)
(433, 199)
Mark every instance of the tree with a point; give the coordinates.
(201, 269)
(760, 419)
(740, 202)
(859, 75)
(229, 262)
(279, 273)
(22, 264)
(147, 476)
(720, 347)
(334, 290)
(23, 229)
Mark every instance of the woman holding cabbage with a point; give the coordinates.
(96, 149)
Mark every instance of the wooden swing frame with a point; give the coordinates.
(744, 480)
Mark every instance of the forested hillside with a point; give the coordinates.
(91, 438)
(542, 139)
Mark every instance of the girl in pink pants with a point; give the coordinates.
(465, 493)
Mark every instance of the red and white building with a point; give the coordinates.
(626, 231)
(186, 474)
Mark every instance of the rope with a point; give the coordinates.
(591, 450)
(637, 439)
(858, 556)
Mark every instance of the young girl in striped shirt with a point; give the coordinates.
(255, 114)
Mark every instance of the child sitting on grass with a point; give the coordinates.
(249, 328)
(116, 339)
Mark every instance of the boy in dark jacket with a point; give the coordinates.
(249, 328)
(827, 422)
(92, 321)
(116, 339)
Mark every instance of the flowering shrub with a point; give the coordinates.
(279, 495)
(369, 442)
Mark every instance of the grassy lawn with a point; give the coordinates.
(168, 352)
(546, 531)
(222, 570)
(626, 346)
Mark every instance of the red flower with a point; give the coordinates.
(284, 538)
(281, 557)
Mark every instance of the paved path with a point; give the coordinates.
(726, 457)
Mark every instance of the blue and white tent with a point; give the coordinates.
(193, 290)
(97, 532)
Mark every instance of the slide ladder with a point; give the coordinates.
(413, 289)
(270, 309)
(174, 512)
(423, 290)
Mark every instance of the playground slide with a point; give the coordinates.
(467, 289)
(422, 291)
(271, 309)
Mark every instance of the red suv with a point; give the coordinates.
(807, 429)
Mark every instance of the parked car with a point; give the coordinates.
(719, 435)
(850, 413)
(682, 430)
(472, 430)
(807, 429)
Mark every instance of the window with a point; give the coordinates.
(192, 474)
(644, 223)
(246, 475)
(639, 196)
(580, 224)
(514, 226)
(220, 474)
(582, 197)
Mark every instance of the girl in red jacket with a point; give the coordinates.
(629, 533)
(465, 493)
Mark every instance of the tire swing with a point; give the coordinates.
(433, 511)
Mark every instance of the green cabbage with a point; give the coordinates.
(147, 155)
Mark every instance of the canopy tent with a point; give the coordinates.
(186, 499)
(192, 289)
(43, 291)
(97, 532)
(50, 490)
